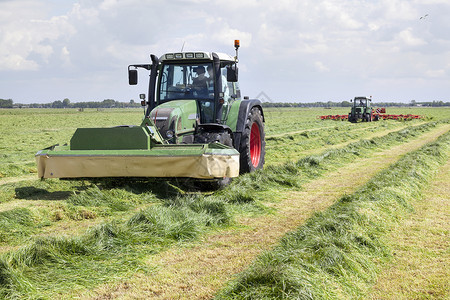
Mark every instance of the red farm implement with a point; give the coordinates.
(334, 117)
(377, 114)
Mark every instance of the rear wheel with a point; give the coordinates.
(252, 147)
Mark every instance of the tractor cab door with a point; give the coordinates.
(231, 93)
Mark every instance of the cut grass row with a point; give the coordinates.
(146, 232)
(335, 254)
(420, 248)
(287, 147)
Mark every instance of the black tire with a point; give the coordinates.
(252, 152)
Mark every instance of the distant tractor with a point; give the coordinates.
(361, 110)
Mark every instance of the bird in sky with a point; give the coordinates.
(423, 17)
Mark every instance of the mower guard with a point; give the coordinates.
(203, 161)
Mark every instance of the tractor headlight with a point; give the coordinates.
(169, 134)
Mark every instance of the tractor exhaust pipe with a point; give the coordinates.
(152, 84)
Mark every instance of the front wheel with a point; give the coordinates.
(252, 148)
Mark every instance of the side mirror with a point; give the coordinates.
(132, 77)
(142, 97)
(232, 73)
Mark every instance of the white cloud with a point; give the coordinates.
(399, 10)
(321, 66)
(65, 57)
(26, 39)
(407, 37)
(334, 43)
(435, 73)
(88, 15)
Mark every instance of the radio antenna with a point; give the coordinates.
(182, 46)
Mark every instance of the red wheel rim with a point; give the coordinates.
(255, 145)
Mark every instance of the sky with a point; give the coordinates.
(291, 50)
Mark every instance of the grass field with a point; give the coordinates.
(161, 239)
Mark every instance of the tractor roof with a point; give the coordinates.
(193, 56)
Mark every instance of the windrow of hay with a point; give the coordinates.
(15, 222)
(48, 266)
(293, 174)
(335, 254)
(106, 250)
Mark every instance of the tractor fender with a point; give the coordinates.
(244, 109)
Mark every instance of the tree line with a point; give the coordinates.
(349, 104)
(110, 103)
(6, 103)
(107, 103)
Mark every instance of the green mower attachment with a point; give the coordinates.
(134, 151)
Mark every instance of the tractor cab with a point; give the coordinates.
(361, 110)
(190, 95)
(209, 79)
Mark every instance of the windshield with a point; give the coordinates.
(361, 102)
(182, 81)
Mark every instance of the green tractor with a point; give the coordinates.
(361, 110)
(195, 125)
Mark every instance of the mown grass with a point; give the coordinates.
(420, 246)
(51, 265)
(293, 174)
(167, 218)
(116, 203)
(335, 254)
(286, 142)
(14, 223)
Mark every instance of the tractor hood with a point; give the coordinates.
(175, 118)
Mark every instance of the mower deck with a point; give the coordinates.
(203, 161)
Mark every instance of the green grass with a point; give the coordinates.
(15, 223)
(131, 219)
(420, 244)
(335, 254)
(53, 264)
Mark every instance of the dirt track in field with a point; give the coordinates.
(198, 271)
